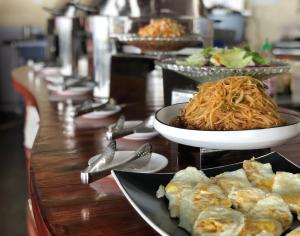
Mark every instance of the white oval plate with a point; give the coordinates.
(80, 90)
(102, 114)
(156, 163)
(50, 71)
(54, 79)
(228, 140)
(138, 136)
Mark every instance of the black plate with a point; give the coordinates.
(140, 190)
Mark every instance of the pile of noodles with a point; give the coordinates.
(233, 103)
(164, 27)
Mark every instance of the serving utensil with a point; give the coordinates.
(104, 158)
(88, 107)
(78, 82)
(97, 171)
(136, 164)
(118, 131)
(119, 125)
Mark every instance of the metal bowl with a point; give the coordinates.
(210, 73)
(159, 43)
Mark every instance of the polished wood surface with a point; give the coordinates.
(67, 207)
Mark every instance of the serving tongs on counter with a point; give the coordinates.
(118, 130)
(101, 165)
(90, 106)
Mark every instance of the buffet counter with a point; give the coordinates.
(60, 203)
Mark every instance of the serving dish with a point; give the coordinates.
(54, 79)
(163, 38)
(210, 73)
(155, 211)
(76, 90)
(159, 43)
(102, 113)
(142, 135)
(156, 163)
(227, 140)
(50, 71)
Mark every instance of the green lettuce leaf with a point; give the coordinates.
(256, 57)
(207, 51)
(196, 59)
(235, 58)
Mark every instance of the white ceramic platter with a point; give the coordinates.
(102, 113)
(139, 135)
(50, 71)
(78, 90)
(156, 163)
(54, 79)
(228, 140)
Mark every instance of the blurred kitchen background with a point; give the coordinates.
(23, 30)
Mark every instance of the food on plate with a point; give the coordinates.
(295, 232)
(233, 58)
(231, 203)
(195, 200)
(273, 206)
(233, 103)
(219, 221)
(233, 179)
(261, 227)
(182, 180)
(287, 185)
(164, 27)
(244, 199)
(196, 59)
(260, 175)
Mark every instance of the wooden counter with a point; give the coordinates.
(61, 204)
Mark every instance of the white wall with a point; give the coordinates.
(273, 21)
(28, 12)
(21, 12)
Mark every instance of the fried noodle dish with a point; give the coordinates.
(164, 27)
(233, 103)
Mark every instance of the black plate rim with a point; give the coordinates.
(136, 208)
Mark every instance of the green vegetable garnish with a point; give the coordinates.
(196, 59)
(247, 48)
(261, 85)
(227, 107)
(258, 59)
(235, 58)
(233, 109)
(235, 96)
(207, 51)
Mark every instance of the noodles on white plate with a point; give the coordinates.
(233, 103)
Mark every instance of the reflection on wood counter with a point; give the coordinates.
(62, 205)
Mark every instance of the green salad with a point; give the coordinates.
(234, 58)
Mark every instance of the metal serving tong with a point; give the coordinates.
(118, 130)
(101, 165)
(77, 82)
(90, 107)
(95, 162)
